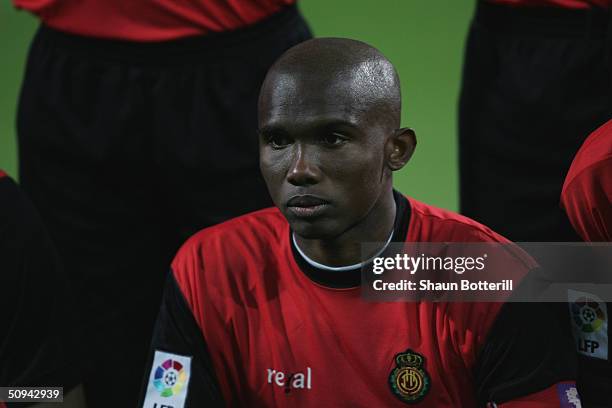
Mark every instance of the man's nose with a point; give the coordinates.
(303, 170)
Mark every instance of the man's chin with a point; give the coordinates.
(311, 229)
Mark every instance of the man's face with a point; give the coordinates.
(321, 155)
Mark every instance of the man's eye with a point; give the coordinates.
(279, 141)
(333, 139)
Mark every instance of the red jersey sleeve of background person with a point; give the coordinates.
(587, 190)
(567, 4)
(277, 338)
(149, 20)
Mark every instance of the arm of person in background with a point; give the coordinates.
(586, 196)
(35, 347)
(587, 200)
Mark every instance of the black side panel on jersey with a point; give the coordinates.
(176, 331)
(528, 349)
(595, 380)
(34, 347)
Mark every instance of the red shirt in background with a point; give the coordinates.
(587, 191)
(571, 4)
(149, 20)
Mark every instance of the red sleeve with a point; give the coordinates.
(587, 200)
(560, 395)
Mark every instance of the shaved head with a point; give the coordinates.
(337, 71)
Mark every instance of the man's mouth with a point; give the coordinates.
(306, 206)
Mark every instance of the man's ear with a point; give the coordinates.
(400, 147)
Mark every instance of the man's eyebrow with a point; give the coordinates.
(337, 123)
(271, 129)
(317, 125)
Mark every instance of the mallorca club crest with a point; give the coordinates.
(409, 381)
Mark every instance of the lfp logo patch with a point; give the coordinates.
(168, 380)
(589, 317)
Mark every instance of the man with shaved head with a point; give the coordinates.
(265, 309)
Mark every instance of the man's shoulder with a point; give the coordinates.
(228, 259)
(260, 223)
(433, 224)
(258, 227)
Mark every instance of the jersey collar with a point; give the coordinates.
(352, 277)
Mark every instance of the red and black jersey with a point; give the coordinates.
(150, 20)
(567, 4)
(34, 349)
(247, 322)
(587, 190)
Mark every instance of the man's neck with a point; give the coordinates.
(345, 249)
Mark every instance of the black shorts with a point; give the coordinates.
(129, 148)
(536, 82)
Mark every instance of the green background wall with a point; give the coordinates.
(423, 38)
